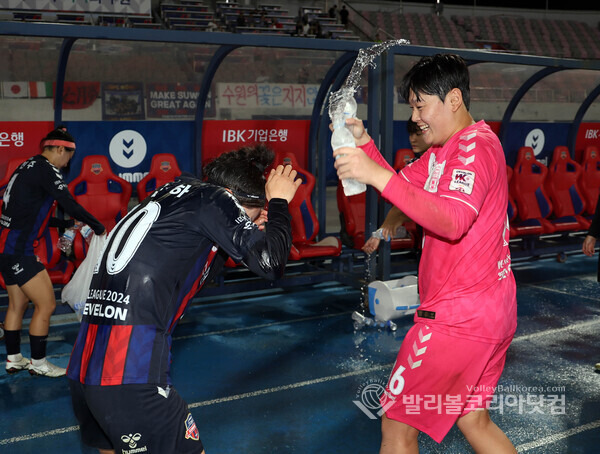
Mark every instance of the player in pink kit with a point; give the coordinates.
(451, 359)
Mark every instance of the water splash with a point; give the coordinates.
(337, 102)
(365, 57)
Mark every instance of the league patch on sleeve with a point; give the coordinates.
(462, 180)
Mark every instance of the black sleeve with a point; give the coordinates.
(595, 227)
(54, 184)
(263, 252)
(61, 223)
(268, 256)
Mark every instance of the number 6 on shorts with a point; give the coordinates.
(396, 384)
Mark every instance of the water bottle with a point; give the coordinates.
(400, 233)
(65, 242)
(342, 137)
(86, 233)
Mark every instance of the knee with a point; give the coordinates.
(46, 307)
(474, 421)
(401, 436)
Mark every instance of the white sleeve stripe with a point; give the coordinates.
(460, 200)
(402, 173)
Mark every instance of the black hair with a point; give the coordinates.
(437, 75)
(58, 136)
(412, 127)
(243, 172)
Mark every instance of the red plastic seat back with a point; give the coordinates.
(11, 166)
(527, 186)
(512, 206)
(561, 184)
(352, 210)
(590, 178)
(163, 169)
(305, 225)
(403, 157)
(100, 191)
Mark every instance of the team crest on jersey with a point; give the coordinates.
(96, 168)
(191, 431)
(165, 166)
(462, 181)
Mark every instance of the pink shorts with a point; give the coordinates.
(437, 378)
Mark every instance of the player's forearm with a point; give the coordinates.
(444, 217)
(268, 257)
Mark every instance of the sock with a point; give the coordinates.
(13, 341)
(38, 346)
(38, 362)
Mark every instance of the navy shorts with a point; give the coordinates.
(135, 418)
(19, 269)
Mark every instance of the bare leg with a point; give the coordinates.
(17, 305)
(39, 290)
(398, 438)
(483, 435)
(107, 451)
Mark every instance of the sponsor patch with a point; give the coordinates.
(462, 181)
(191, 431)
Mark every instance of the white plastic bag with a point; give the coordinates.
(76, 291)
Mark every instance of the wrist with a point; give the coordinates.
(364, 139)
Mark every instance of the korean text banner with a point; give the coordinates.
(253, 95)
(219, 136)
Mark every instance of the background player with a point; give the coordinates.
(27, 205)
(395, 218)
(458, 192)
(155, 261)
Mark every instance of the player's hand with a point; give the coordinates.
(354, 163)
(589, 244)
(282, 183)
(357, 128)
(261, 221)
(371, 245)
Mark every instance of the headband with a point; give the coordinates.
(243, 195)
(57, 143)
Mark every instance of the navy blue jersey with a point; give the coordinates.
(155, 260)
(27, 205)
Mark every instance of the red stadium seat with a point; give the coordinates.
(512, 206)
(59, 268)
(562, 186)
(589, 180)
(352, 218)
(163, 169)
(527, 189)
(11, 166)
(403, 157)
(305, 225)
(100, 191)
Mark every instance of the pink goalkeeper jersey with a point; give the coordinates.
(466, 286)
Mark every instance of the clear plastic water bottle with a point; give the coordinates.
(400, 233)
(342, 137)
(86, 233)
(65, 242)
